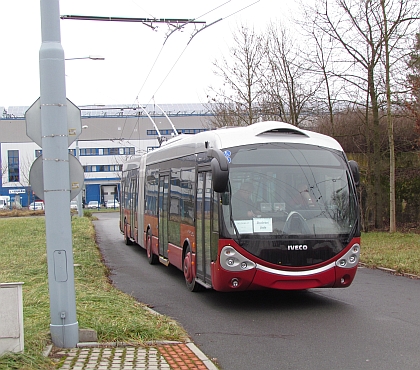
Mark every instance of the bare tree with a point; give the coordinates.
(414, 82)
(237, 102)
(397, 19)
(323, 60)
(288, 85)
(367, 33)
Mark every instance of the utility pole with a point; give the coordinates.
(56, 176)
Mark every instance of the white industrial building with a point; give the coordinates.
(110, 135)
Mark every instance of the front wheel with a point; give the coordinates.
(152, 258)
(192, 285)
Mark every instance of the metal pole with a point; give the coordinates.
(64, 326)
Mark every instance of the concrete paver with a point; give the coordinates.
(164, 356)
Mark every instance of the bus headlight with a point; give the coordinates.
(231, 260)
(351, 258)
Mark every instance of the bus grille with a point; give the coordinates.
(294, 253)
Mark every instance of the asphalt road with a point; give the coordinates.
(374, 324)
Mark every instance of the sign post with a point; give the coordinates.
(53, 107)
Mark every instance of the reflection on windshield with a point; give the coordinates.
(289, 190)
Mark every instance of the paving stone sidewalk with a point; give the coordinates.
(169, 356)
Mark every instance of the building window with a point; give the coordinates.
(127, 151)
(111, 151)
(13, 163)
(89, 151)
(103, 168)
(180, 131)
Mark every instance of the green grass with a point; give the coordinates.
(114, 315)
(397, 251)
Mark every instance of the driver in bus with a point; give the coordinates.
(303, 198)
(243, 205)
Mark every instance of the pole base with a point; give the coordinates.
(65, 336)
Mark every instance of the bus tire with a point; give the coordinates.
(152, 258)
(127, 240)
(187, 267)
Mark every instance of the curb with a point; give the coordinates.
(209, 364)
(390, 271)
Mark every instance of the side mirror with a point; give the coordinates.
(355, 171)
(219, 169)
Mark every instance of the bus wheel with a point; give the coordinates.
(153, 259)
(127, 240)
(192, 285)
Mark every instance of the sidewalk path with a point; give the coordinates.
(165, 356)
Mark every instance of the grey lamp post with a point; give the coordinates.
(64, 327)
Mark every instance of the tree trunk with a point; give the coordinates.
(392, 220)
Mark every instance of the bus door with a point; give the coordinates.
(204, 226)
(163, 214)
(133, 205)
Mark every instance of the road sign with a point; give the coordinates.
(36, 177)
(33, 122)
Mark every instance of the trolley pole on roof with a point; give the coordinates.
(56, 176)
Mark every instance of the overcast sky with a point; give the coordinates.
(132, 51)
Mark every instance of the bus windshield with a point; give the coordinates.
(288, 191)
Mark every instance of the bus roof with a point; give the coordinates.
(229, 137)
(260, 132)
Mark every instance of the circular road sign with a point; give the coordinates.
(36, 177)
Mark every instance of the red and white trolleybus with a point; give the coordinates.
(263, 206)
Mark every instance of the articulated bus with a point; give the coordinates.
(263, 206)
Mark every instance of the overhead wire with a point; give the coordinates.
(122, 131)
(167, 37)
(192, 38)
(183, 51)
(221, 19)
(143, 9)
(160, 52)
(194, 19)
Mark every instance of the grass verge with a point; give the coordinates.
(114, 315)
(396, 251)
